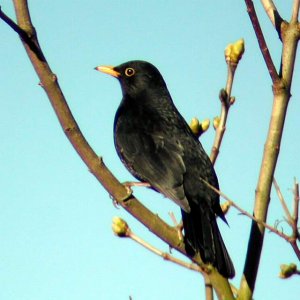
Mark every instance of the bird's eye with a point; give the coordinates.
(129, 72)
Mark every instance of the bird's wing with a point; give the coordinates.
(157, 160)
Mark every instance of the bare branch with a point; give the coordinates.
(165, 255)
(281, 91)
(290, 239)
(296, 211)
(23, 34)
(233, 54)
(282, 201)
(261, 41)
(121, 228)
(296, 249)
(220, 130)
(292, 220)
(270, 10)
(96, 166)
(295, 12)
(244, 212)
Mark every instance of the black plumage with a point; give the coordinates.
(157, 146)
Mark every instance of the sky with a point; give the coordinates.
(55, 218)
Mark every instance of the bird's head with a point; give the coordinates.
(135, 76)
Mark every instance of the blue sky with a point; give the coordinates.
(55, 218)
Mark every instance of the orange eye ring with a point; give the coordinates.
(129, 72)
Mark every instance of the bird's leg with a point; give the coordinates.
(179, 228)
(129, 184)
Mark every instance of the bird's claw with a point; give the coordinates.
(129, 192)
(128, 185)
(114, 202)
(179, 229)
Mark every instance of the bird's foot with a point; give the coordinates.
(114, 202)
(129, 184)
(128, 195)
(179, 228)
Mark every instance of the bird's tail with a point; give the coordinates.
(202, 235)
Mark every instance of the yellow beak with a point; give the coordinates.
(108, 70)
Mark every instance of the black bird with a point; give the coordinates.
(157, 146)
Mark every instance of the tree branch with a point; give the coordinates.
(282, 201)
(290, 239)
(292, 220)
(233, 54)
(271, 11)
(296, 211)
(281, 90)
(261, 40)
(270, 156)
(95, 164)
(97, 167)
(122, 229)
(245, 213)
(295, 12)
(25, 36)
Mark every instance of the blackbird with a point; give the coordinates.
(157, 146)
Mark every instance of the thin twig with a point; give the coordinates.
(244, 212)
(164, 255)
(289, 239)
(292, 220)
(121, 229)
(225, 98)
(295, 12)
(261, 41)
(191, 266)
(296, 249)
(225, 105)
(270, 10)
(283, 203)
(220, 130)
(233, 54)
(296, 210)
(23, 35)
(272, 229)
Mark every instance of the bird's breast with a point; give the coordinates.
(136, 117)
